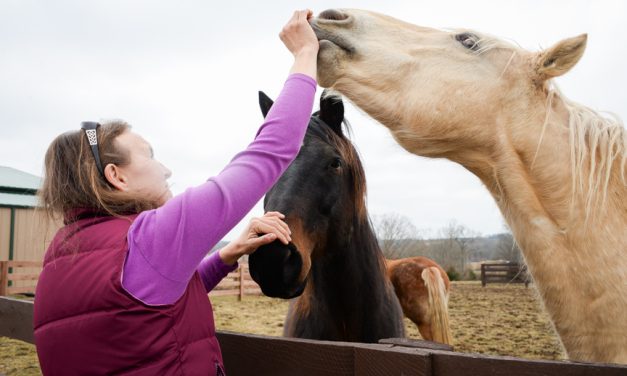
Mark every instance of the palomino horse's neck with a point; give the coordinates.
(576, 256)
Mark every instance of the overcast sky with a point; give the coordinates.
(185, 74)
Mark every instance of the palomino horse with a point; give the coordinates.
(422, 287)
(333, 265)
(555, 168)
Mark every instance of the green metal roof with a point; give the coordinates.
(18, 188)
(16, 179)
(17, 200)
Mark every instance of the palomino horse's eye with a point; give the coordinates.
(468, 40)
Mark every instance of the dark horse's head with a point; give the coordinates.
(321, 193)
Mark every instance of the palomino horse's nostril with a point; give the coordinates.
(332, 14)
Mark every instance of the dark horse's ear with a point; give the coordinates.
(265, 103)
(332, 111)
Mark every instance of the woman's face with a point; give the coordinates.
(144, 176)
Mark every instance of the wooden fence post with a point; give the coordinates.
(241, 283)
(4, 277)
(483, 275)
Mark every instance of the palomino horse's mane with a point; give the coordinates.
(596, 143)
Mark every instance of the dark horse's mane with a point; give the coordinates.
(361, 265)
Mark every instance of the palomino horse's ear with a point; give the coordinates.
(332, 111)
(265, 103)
(560, 58)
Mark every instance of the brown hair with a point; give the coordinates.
(72, 180)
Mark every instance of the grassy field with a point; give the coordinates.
(497, 319)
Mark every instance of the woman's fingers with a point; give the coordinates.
(255, 243)
(277, 218)
(269, 225)
(302, 14)
(274, 214)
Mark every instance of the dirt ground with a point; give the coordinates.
(498, 319)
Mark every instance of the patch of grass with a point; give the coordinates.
(18, 358)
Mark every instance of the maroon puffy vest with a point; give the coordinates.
(87, 324)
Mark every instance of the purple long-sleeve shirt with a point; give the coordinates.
(168, 244)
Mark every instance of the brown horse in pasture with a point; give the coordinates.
(422, 286)
(556, 169)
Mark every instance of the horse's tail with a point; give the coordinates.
(438, 305)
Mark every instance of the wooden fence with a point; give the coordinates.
(504, 273)
(18, 277)
(238, 283)
(261, 355)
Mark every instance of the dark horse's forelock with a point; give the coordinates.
(349, 155)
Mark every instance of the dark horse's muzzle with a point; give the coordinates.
(276, 268)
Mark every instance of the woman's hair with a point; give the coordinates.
(72, 179)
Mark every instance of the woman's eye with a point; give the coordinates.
(336, 163)
(468, 40)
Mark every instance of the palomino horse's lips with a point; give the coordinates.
(324, 35)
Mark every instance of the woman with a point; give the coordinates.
(125, 282)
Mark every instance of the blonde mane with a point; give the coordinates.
(596, 143)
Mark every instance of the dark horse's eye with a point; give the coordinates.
(336, 163)
(468, 40)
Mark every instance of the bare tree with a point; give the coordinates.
(507, 249)
(458, 241)
(397, 235)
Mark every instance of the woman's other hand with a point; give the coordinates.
(260, 231)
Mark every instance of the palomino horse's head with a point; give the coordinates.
(318, 195)
(438, 91)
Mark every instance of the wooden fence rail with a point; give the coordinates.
(238, 283)
(504, 273)
(17, 277)
(261, 355)
(14, 280)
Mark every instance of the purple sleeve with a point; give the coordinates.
(212, 269)
(166, 245)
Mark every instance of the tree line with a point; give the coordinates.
(454, 246)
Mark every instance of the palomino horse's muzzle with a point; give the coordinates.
(333, 14)
(276, 267)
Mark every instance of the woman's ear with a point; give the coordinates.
(560, 58)
(115, 177)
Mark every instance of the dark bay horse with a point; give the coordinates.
(333, 266)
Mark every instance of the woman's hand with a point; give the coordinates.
(297, 34)
(299, 38)
(260, 231)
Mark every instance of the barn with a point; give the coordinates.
(24, 231)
